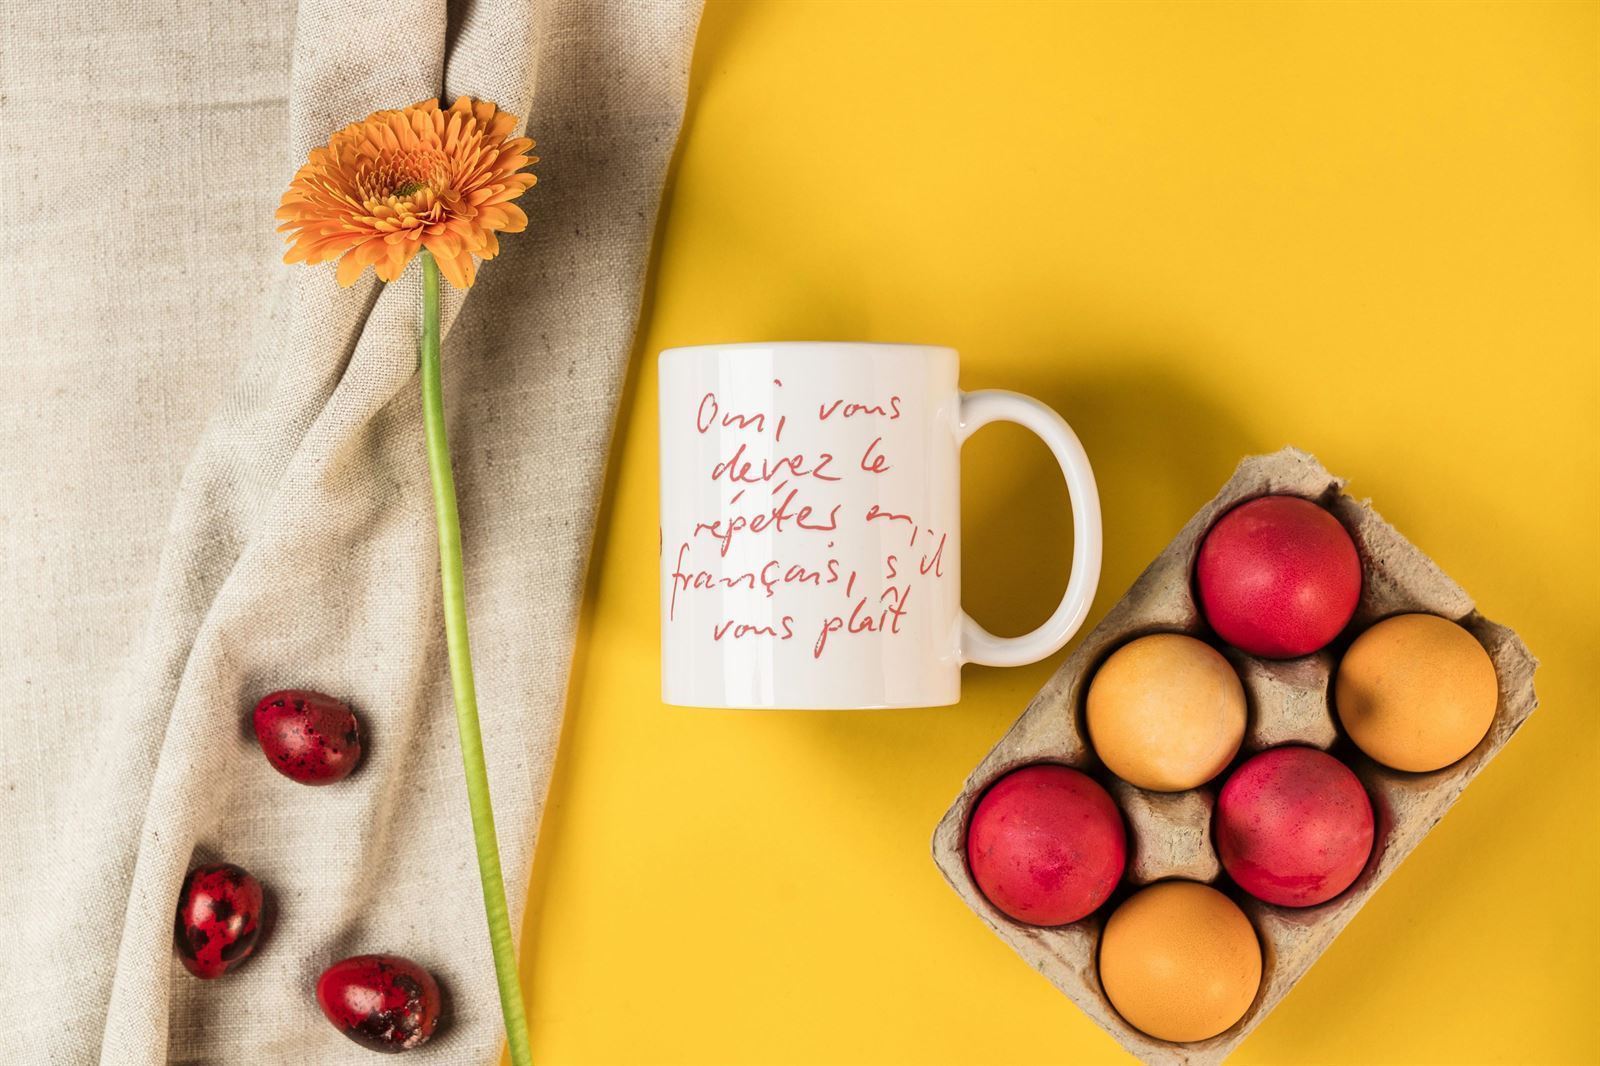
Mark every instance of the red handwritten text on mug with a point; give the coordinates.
(800, 497)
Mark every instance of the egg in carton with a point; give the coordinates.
(1290, 702)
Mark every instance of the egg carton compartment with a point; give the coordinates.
(1289, 702)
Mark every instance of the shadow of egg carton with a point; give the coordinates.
(1290, 702)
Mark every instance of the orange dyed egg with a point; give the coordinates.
(1416, 692)
(1180, 961)
(1166, 712)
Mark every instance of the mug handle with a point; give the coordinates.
(978, 645)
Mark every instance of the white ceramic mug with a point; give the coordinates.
(811, 526)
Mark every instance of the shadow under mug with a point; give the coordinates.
(811, 526)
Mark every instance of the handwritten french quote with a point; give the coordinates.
(771, 487)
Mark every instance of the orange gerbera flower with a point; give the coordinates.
(399, 181)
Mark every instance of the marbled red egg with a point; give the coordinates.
(1294, 826)
(383, 1002)
(307, 736)
(219, 919)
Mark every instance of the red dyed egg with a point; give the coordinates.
(219, 919)
(1278, 577)
(382, 1002)
(1046, 845)
(1294, 826)
(308, 737)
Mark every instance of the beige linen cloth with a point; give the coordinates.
(212, 484)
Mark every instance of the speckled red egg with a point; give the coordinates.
(1046, 845)
(1293, 826)
(383, 1002)
(219, 919)
(1278, 577)
(308, 737)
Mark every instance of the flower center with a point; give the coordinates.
(403, 175)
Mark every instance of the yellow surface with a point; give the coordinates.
(1200, 232)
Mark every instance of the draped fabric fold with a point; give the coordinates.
(214, 485)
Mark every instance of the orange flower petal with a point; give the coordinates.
(450, 267)
(350, 268)
(394, 264)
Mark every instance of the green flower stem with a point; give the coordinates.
(455, 630)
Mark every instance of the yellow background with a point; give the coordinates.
(1200, 232)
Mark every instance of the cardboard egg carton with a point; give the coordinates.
(1290, 702)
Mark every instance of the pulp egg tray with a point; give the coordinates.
(1290, 702)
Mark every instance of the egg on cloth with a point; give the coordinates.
(1046, 845)
(1416, 692)
(1166, 712)
(1278, 577)
(1180, 961)
(218, 920)
(307, 736)
(385, 1003)
(1293, 827)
